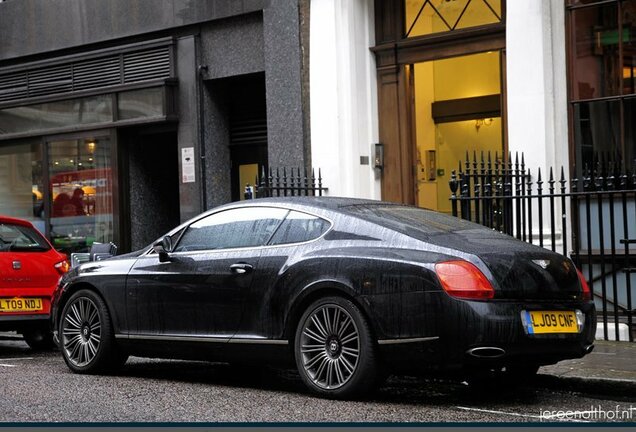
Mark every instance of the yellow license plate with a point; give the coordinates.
(20, 304)
(541, 322)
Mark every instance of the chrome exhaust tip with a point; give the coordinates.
(486, 352)
(589, 348)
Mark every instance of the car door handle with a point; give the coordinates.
(241, 268)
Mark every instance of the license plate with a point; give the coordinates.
(20, 304)
(541, 322)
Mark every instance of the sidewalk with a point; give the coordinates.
(609, 369)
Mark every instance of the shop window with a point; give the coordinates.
(81, 193)
(21, 185)
(602, 81)
(423, 17)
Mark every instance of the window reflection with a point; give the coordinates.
(21, 183)
(81, 192)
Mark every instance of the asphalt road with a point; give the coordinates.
(38, 387)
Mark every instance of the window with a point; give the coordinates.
(602, 82)
(299, 227)
(18, 238)
(21, 182)
(81, 192)
(424, 17)
(236, 228)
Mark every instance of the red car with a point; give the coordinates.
(29, 271)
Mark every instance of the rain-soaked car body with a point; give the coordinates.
(349, 289)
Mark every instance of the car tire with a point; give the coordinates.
(86, 335)
(39, 338)
(334, 350)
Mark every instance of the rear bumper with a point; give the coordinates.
(17, 322)
(475, 334)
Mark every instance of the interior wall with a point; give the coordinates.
(440, 80)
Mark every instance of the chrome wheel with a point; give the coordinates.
(330, 346)
(81, 331)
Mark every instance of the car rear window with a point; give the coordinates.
(18, 238)
(406, 218)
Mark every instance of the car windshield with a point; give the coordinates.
(18, 238)
(402, 217)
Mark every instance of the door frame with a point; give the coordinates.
(395, 56)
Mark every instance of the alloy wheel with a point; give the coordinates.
(81, 331)
(330, 346)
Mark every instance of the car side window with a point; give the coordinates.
(18, 238)
(299, 227)
(234, 228)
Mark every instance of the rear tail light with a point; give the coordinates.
(462, 279)
(585, 288)
(62, 267)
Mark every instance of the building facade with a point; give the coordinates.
(120, 119)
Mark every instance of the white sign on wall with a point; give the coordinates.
(187, 165)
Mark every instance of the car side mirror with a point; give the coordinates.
(163, 248)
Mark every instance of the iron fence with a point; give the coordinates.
(278, 182)
(591, 219)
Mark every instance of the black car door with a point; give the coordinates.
(200, 290)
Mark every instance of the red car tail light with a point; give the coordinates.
(585, 288)
(462, 279)
(62, 267)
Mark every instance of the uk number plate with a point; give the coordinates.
(20, 304)
(541, 322)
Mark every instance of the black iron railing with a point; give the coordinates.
(279, 182)
(591, 219)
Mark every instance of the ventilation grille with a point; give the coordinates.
(131, 67)
(248, 132)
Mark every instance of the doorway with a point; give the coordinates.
(457, 109)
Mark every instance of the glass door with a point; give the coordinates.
(81, 204)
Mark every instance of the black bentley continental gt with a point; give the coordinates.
(350, 290)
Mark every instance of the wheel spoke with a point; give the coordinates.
(76, 315)
(319, 326)
(314, 360)
(329, 373)
(323, 363)
(351, 352)
(344, 326)
(72, 322)
(312, 348)
(339, 376)
(325, 316)
(314, 336)
(350, 337)
(348, 366)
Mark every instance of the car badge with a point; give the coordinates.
(17, 265)
(542, 263)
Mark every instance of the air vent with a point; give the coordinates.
(248, 132)
(133, 66)
(145, 65)
(50, 81)
(13, 86)
(97, 73)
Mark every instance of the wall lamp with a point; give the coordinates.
(482, 122)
